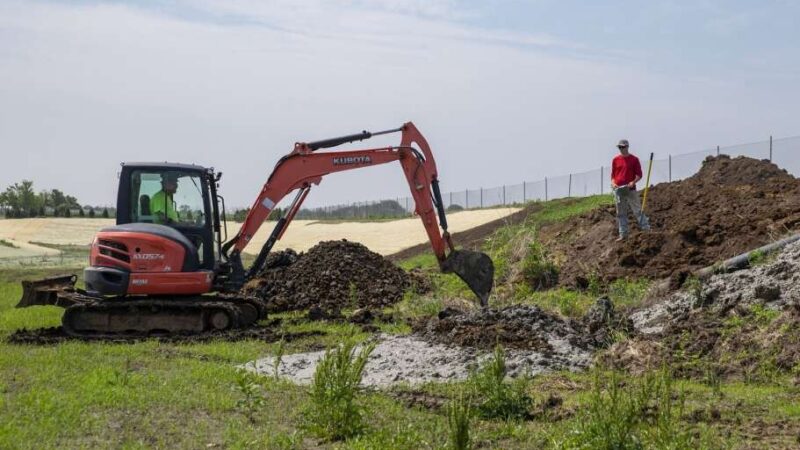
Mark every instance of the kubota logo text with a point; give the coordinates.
(352, 160)
(148, 256)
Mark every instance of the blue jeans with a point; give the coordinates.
(627, 202)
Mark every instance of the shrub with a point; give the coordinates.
(333, 412)
(538, 269)
(494, 397)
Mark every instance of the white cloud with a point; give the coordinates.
(235, 84)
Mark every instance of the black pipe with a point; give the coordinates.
(258, 264)
(333, 142)
(437, 198)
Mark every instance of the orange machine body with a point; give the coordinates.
(153, 263)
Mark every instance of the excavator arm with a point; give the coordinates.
(304, 167)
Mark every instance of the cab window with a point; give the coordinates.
(167, 197)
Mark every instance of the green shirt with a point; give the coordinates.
(162, 205)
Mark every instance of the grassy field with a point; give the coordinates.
(165, 395)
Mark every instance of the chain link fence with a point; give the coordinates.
(784, 152)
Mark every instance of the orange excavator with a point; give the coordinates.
(168, 267)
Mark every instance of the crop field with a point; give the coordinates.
(26, 236)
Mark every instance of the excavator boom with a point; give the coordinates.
(304, 167)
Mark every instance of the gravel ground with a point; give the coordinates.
(774, 284)
(409, 359)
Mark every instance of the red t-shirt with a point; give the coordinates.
(625, 169)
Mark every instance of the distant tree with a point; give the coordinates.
(105, 213)
(81, 213)
(42, 211)
(91, 212)
(67, 212)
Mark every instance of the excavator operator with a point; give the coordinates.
(162, 205)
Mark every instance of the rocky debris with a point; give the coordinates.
(742, 324)
(332, 275)
(601, 321)
(413, 360)
(730, 206)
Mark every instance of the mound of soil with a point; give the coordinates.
(332, 275)
(524, 327)
(727, 208)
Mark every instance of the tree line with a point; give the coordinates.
(21, 200)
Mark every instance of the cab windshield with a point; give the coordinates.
(169, 197)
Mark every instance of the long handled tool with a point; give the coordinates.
(647, 183)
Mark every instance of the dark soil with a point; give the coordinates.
(522, 327)
(332, 275)
(55, 335)
(729, 207)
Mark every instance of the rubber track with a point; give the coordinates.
(127, 305)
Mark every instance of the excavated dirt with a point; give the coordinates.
(524, 327)
(332, 275)
(729, 207)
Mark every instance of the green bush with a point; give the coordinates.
(333, 412)
(494, 397)
(538, 269)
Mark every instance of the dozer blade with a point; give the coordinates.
(475, 268)
(46, 291)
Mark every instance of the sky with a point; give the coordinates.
(503, 90)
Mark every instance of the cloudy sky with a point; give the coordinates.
(505, 90)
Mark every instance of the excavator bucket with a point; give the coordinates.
(46, 291)
(475, 268)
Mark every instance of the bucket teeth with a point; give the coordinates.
(46, 291)
(475, 268)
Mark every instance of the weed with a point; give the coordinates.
(495, 398)
(459, 413)
(122, 376)
(631, 414)
(694, 286)
(756, 257)
(763, 316)
(538, 268)
(333, 412)
(278, 358)
(713, 379)
(594, 288)
(249, 388)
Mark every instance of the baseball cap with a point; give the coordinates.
(623, 143)
(167, 177)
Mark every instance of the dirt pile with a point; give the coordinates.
(729, 207)
(331, 275)
(525, 327)
(744, 324)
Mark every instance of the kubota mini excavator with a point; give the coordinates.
(167, 266)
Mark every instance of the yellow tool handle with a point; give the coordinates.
(647, 183)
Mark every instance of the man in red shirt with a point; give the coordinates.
(625, 172)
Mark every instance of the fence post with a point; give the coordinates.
(504, 194)
(770, 148)
(601, 180)
(524, 199)
(407, 205)
(718, 150)
(451, 199)
(545, 188)
(481, 197)
(466, 196)
(569, 188)
(670, 167)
